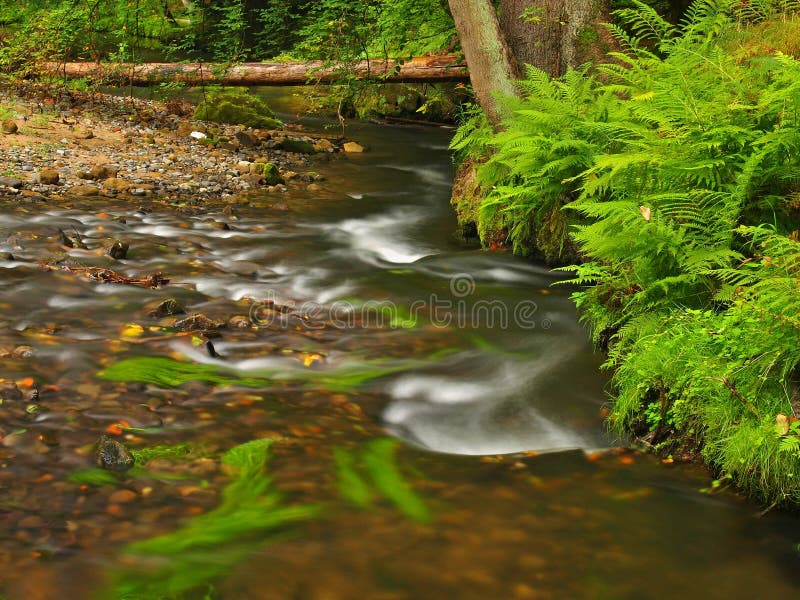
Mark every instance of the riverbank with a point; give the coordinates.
(97, 145)
(673, 190)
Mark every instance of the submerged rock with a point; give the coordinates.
(353, 147)
(167, 308)
(118, 250)
(112, 455)
(198, 322)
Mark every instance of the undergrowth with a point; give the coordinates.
(674, 169)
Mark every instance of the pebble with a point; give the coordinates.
(122, 497)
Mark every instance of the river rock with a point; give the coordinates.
(198, 322)
(294, 145)
(101, 172)
(11, 182)
(116, 184)
(84, 191)
(353, 147)
(22, 352)
(167, 308)
(9, 127)
(112, 455)
(118, 250)
(247, 139)
(324, 145)
(48, 176)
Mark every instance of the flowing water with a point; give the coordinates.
(504, 484)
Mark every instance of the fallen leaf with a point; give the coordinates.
(132, 330)
(782, 424)
(645, 212)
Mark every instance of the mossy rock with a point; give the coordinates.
(269, 171)
(299, 146)
(238, 108)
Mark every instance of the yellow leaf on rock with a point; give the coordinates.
(782, 424)
(132, 330)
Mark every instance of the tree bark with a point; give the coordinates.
(417, 70)
(491, 65)
(554, 36)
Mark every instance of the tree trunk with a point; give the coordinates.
(492, 67)
(552, 35)
(417, 70)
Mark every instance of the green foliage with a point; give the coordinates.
(379, 461)
(172, 373)
(206, 547)
(174, 452)
(236, 106)
(676, 172)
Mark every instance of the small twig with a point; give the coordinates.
(738, 395)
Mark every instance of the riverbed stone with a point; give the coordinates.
(294, 145)
(84, 191)
(11, 182)
(165, 308)
(9, 127)
(324, 145)
(118, 250)
(247, 139)
(101, 172)
(353, 147)
(49, 176)
(116, 184)
(113, 455)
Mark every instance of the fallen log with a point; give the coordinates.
(417, 70)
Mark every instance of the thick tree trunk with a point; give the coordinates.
(552, 35)
(417, 70)
(492, 67)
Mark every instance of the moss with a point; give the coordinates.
(299, 146)
(236, 107)
(269, 171)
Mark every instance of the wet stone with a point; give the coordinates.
(11, 182)
(49, 176)
(118, 250)
(167, 308)
(112, 455)
(197, 322)
(22, 352)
